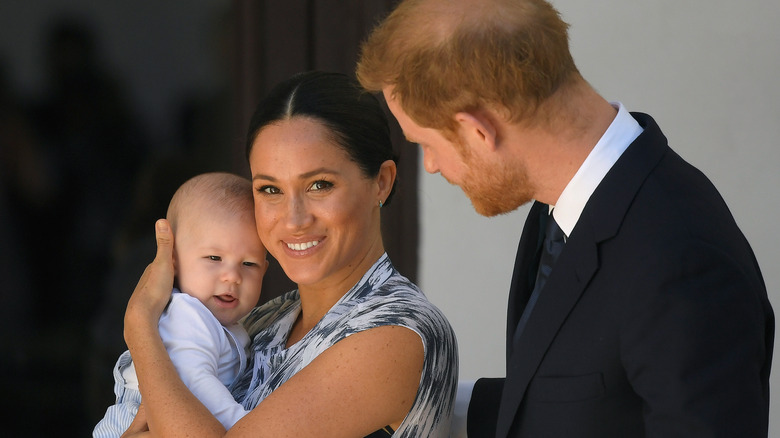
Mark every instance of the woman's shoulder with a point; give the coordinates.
(398, 301)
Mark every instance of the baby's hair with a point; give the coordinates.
(230, 193)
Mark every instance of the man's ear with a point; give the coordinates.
(478, 127)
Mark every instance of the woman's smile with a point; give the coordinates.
(303, 246)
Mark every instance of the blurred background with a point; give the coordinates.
(106, 107)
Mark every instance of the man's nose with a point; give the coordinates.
(429, 163)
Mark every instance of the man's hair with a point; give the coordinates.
(227, 192)
(444, 57)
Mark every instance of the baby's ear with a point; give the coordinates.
(265, 266)
(175, 270)
(175, 258)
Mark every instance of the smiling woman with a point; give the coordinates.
(359, 343)
(310, 201)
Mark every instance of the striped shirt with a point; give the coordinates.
(207, 356)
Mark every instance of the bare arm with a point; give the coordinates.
(359, 385)
(355, 387)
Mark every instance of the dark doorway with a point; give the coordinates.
(278, 39)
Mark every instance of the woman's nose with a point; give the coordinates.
(298, 214)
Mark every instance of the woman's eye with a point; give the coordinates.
(321, 185)
(269, 190)
(214, 258)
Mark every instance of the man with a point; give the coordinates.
(637, 308)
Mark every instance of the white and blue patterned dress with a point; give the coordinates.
(382, 297)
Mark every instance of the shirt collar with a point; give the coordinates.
(623, 130)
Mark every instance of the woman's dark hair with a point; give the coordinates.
(353, 116)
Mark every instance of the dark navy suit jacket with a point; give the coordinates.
(655, 321)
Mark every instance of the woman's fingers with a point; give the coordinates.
(154, 288)
(164, 237)
(139, 424)
(157, 281)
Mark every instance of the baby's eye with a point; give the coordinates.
(250, 264)
(321, 185)
(214, 258)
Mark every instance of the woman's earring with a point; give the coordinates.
(380, 204)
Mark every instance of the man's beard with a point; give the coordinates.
(495, 190)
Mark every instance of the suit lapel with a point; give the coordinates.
(573, 271)
(525, 262)
(578, 263)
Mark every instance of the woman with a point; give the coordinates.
(356, 350)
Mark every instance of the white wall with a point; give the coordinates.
(708, 72)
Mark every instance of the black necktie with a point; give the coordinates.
(551, 249)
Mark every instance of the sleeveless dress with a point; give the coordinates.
(382, 297)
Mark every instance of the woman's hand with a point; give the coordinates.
(139, 427)
(153, 291)
(170, 408)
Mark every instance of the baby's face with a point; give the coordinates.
(221, 262)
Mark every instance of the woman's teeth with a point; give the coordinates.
(303, 246)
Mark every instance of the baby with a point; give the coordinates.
(219, 263)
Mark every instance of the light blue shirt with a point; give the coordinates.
(207, 356)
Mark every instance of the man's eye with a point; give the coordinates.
(321, 185)
(214, 258)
